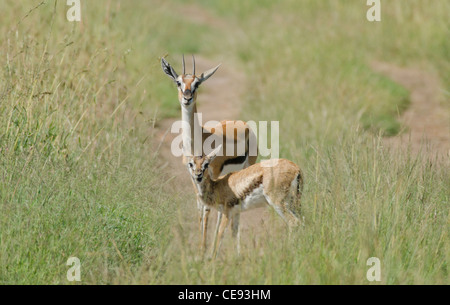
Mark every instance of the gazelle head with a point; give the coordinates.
(197, 166)
(187, 83)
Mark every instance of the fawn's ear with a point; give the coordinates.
(207, 74)
(167, 68)
(212, 155)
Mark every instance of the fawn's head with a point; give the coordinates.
(187, 83)
(197, 166)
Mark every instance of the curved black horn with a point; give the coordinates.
(193, 62)
(184, 66)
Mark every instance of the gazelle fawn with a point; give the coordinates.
(275, 183)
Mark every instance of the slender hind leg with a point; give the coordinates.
(284, 211)
(277, 208)
(236, 232)
(294, 220)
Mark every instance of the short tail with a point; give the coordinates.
(294, 206)
(299, 179)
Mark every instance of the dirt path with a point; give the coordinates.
(427, 119)
(220, 98)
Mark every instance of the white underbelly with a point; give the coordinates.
(255, 199)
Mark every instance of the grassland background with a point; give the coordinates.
(79, 175)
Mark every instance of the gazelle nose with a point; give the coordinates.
(187, 94)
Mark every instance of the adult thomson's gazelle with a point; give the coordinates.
(235, 133)
(276, 183)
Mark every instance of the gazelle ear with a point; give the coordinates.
(212, 155)
(208, 74)
(167, 68)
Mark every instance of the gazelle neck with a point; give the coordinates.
(206, 189)
(191, 127)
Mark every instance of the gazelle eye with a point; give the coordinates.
(206, 165)
(190, 165)
(178, 84)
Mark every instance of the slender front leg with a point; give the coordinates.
(205, 215)
(223, 226)
(216, 232)
(200, 213)
(236, 232)
(203, 223)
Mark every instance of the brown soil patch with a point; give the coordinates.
(427, 120)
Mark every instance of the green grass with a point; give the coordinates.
(52, 212)
(79, 175)
(78, 172)
(382, 115)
